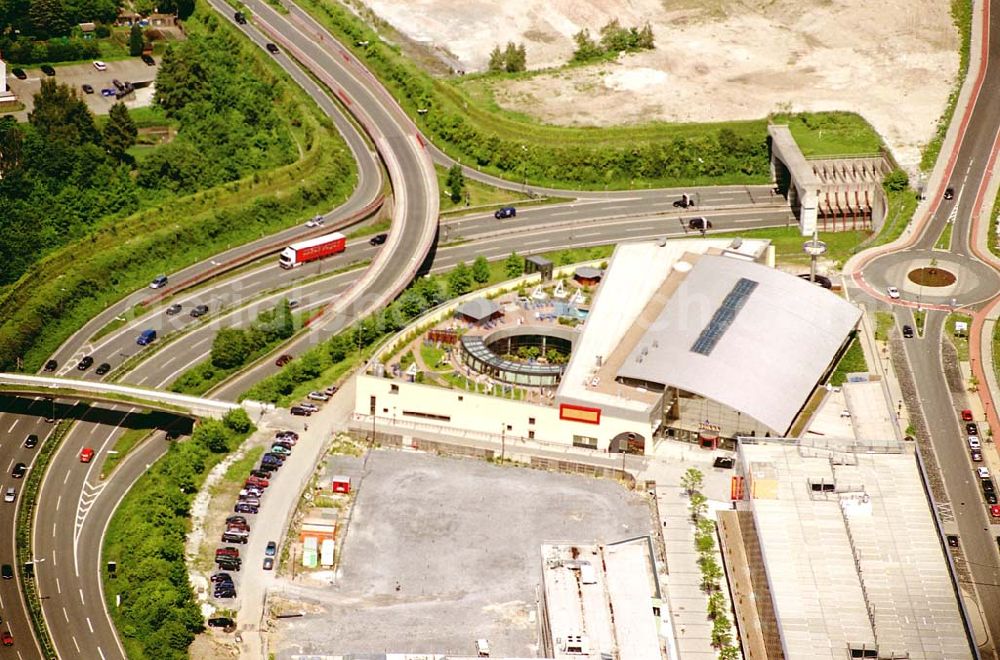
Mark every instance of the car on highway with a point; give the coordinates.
(147, 59)
(684, 202)
(199, 310)
(10, 494)
(318, 396)
(984, 473)
(505, 212)
(300, 411)
(85, 363)
(908, 332)
(315, 221)
(240, 18)
(268, 563)
(283, 360)
(87, 89)
(19, 73)
(701, 224)
(976, 455)
(148, 336)
(86, 455)
(100, 66)
(51, 365)
(971, 428)
(19, 471)
(6, 638)
(31, 441)
(271, 549)
(243, 507)
(893, 292)
(158, 282)
(949, 193)
(173, 309)
(47, 70)
(966, 415)
(7, 571)
(378, 239)
(973, 442)
(271, 48)
(102, 369)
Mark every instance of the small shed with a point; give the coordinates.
(588, 275)
(479, 310)
(537, 264)
(88, 30)
(126, 17)
(341, 484)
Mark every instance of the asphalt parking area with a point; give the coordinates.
(75, 75)
(442, 551)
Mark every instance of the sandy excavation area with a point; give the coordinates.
(892, 61)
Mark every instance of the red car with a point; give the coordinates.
(7, 638)
(995, 510)
(86, 455)
(256, 481)
(966, 415)
(283, 360)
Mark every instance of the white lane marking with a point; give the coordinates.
(53, 557)
(13, 425)
(81, 597)
(76, 645)
(1, 602)
(66, 615)
(144, 379)
(170, 360)
(58, 502)
(101, 652)
(54, 531)
(556, 215)
(640, 228)
(66, 478)
(536, 242)
(90, 625)
(58, 587)
(591, 233)
(11, 465)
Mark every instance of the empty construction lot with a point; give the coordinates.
(442, 551)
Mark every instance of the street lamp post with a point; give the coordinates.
(503, 441)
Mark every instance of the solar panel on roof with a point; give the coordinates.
(724, 316)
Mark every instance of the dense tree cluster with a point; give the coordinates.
(232, 347)
(615, 39)
(512, 59)
(60, 176)
(159, 615)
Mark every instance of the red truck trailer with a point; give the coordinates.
(302, 252)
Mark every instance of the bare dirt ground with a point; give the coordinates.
(894, 62)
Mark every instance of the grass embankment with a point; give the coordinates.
(919, 317)
(884, 322)
(62, 291)
(853, 361)
(462, 118)
(476, 194)
(159, 615)
(140, 426)
(961, 16)
(959, 340)
(944, 240)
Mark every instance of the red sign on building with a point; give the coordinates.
(579, 414)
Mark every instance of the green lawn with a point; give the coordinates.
(944, 240)
(431, 355)
(884, 322)
(831, 133)
(788, 243)
(961, 342)
(853, 361)
(477, 194)
(919, 317)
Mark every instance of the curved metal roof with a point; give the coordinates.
(750, 337)
(473, 344)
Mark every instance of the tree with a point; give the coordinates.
(586, 48)
(716, 604)
(455, 183)
(229, 348)
(896, 180)
(181, 79)
(213, 435)
(481, 270)
(135, 40)
(721, 635)
(515, 58)
(692, 480)
(711, 573)
(645, 41)
(238, 421)
(699, 504)
(48, 18)
(119, 133)
(514, 266)
(60, 116)
(497, 63)
(460, 280)
(729, 652)
(11, 146)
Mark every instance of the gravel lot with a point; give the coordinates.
(460, 538)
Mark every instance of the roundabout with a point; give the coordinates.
(931, 277)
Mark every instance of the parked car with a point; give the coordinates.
(505, 212)
(31, 441)
(158, 282)
(966, 415)
(106, 92)
(100, 66)
(724, 462)
(287, 444)
(243, 507)
(311, 407)
(221, 622)
(991, 497)
(302, 412)
(51, 365)
(235, 519)
(228, 564)
(699, 223)
(330, 391)
(271, 549)
(235, 537)
(283, 360)
(47, 70)
(199, 310)
(318, 396)
(378, 239)
(287, 435)
(19, 73)
(227, 552)
(316, 221)
(10, 494)
(974, 442)
(908, 332)
(102, 369)
(257, 482)
(984, 473)
(119, 85)
(995, 510)
(271, 48)
(85, 363)
(272, 457)
(86, 455)
(173, 309)
(268, 563)
(148, 59)
(19, 471)
(893, 292)
(971, 428)
(259, 474)
(251, 492)
(87, 89)
(281, 450)
(977, 456)
(952, 540)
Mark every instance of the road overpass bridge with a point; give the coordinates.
(31, 385)
(828, 194)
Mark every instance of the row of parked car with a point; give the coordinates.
(237, 531)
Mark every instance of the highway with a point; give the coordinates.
(964, 510)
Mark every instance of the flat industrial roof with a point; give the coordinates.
(857, 564)
(635, 273)
(748, 336)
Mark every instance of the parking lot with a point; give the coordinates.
(76, 75)
(442, 551)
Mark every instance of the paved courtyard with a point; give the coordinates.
(442, 551)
